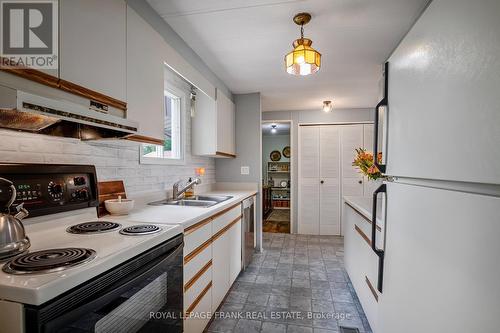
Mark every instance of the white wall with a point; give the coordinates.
(114, 159)
(269, 144)
(313, 117)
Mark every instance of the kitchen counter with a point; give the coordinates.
(185, 216)
(363, 205)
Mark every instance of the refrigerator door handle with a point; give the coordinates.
(382, 103)
(379, 252)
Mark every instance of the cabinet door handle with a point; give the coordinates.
(379, 252)
(322, 182)
(382, 103)
(360, 182)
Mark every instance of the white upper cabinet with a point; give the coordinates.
(213, 126)
(145, 77)
(93, 45)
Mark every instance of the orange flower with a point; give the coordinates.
(372, 170)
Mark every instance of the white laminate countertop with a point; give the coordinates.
(363, 205)
(183, 215)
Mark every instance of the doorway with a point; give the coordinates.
(277, 180)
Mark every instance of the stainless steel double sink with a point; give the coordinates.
(194, 201)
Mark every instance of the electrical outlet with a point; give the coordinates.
(245, 170)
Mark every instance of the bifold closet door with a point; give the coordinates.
(352, 180)
(309, 185)
(329, 207)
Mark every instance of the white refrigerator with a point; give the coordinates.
(440, 135)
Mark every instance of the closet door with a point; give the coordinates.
(309, 184)
(352, 180)
(329, 211)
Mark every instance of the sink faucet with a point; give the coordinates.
(177, 193)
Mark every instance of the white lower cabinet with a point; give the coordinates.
(212, 262)
(220, 278)
(235, 251)
(199, 320)
(361, 262)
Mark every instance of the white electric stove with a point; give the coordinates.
(82, 273)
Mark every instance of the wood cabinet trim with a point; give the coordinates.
(222, 212)
(195, 278)
(196, 226)
(223, 154)
(198, 298)
(209, 219)
(360, 214)
(363, 235)
(29, 73)
(144, 139)
(55, 82)
(226, 228)
(76, 89)
(374, 292)
(196, 251)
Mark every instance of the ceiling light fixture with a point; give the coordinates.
(327, 106)
(273, 128)
(303, 60)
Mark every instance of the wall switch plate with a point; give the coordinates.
(245, 170)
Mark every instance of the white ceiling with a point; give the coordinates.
(281, 128)
(244, 43)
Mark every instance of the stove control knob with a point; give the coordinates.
(79, 181)
(55, 191)
(83, 194)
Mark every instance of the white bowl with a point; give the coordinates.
(117, 207)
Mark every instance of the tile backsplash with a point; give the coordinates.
(114, 159)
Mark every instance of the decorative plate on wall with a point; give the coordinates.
(275, 156)
(286, 151)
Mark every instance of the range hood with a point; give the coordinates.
(27, 112)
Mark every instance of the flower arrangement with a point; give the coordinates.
(364, 162)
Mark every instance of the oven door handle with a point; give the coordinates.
(110, 299)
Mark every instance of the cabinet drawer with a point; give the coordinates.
(197, 287)
(196, 263)
(196, 235)
(222, 219)
(198, 319)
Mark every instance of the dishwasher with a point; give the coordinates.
(248, 231)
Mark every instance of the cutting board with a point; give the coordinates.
(109, 190)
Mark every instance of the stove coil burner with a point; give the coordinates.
(94, 227)
(140, 229)
(49, 261)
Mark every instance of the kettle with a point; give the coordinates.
(13, 239)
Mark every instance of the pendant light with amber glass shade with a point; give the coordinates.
(303, 60)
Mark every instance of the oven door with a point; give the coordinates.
(141, 295)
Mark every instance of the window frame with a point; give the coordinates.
(174, 92)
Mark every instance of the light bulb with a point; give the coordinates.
(305, 69)
(327, 106)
